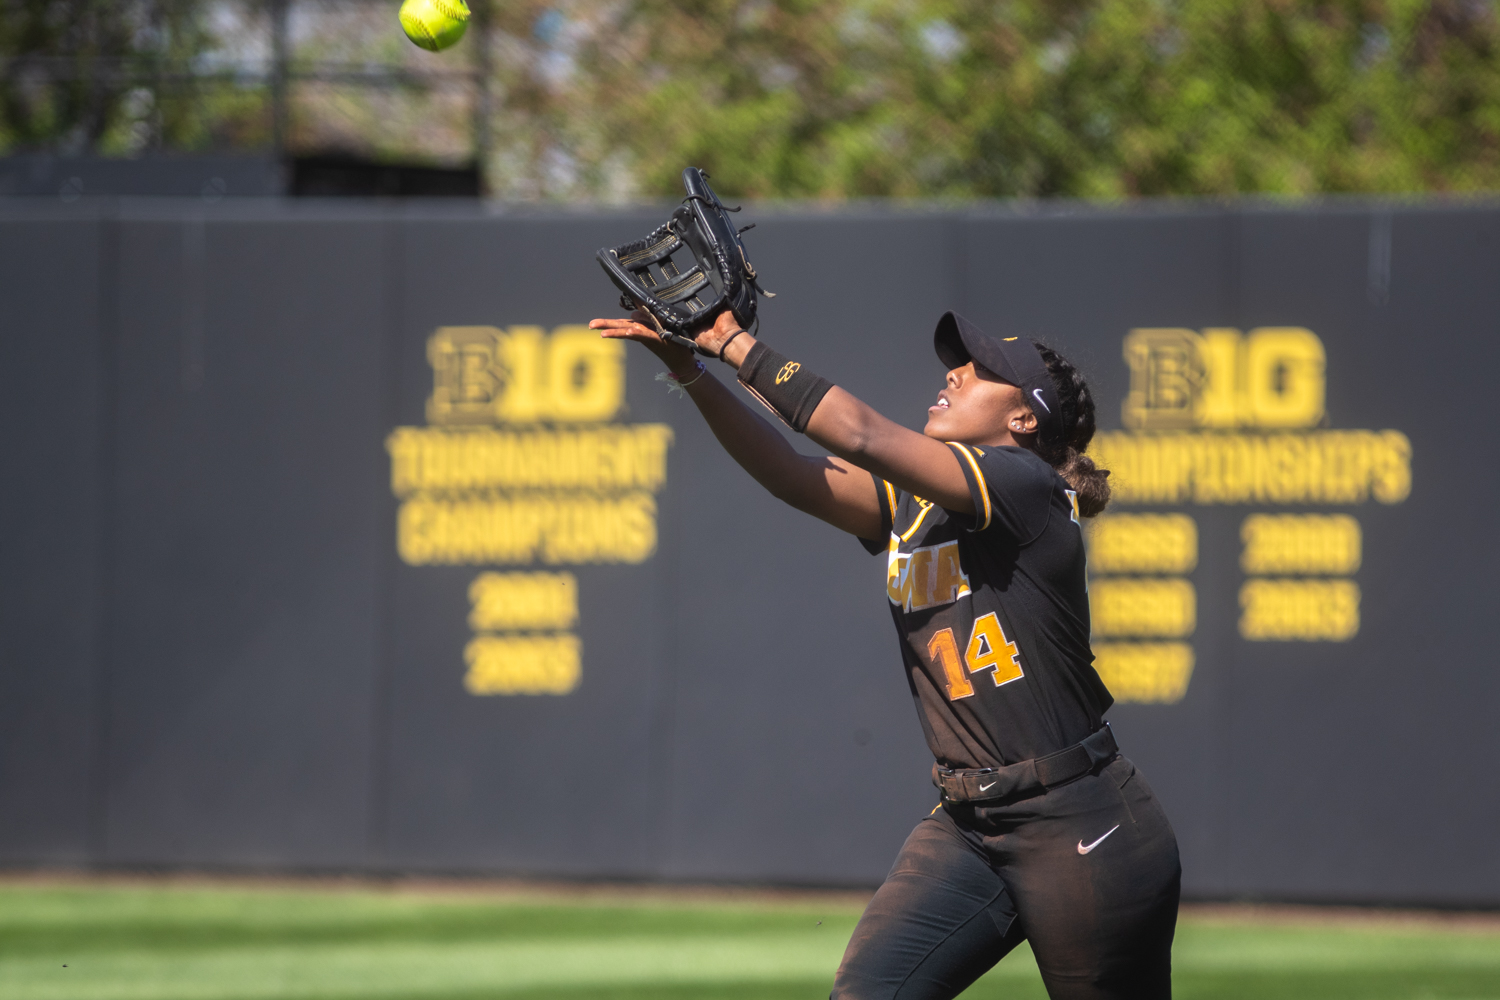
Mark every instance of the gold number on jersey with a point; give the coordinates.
(990, 649)
(943, 648)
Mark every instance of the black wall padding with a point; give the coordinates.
(212, 656)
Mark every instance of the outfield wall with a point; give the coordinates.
(327, 543)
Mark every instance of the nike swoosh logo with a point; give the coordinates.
(1038, 394)
(1085, 850)
(985, 788)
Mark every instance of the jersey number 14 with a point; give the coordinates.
(989, 649)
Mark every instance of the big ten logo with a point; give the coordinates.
(1272, 378)
(523, 461)
(1217, 417)
(520, 375)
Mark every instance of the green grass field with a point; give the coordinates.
(62, 942)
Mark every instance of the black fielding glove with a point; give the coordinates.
(783, 386)
(687, 270)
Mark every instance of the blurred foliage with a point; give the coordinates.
(837, 99)
(113, 76)
(1038, 98)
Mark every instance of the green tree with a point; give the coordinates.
(1038, 98)
(114, 76)
(820, 99)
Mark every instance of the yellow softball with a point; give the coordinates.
(434, 24)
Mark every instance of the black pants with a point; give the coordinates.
(1087, 872)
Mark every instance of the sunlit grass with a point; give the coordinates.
(174, 943)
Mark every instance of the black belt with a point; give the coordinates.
(1028, 776)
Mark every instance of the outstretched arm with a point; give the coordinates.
(827, 488)
(852, 430)
(902, 457)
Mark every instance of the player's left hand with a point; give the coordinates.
(639, 327)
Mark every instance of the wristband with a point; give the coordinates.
(725, 346)
(784, 387)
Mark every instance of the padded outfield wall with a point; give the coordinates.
(329, 542)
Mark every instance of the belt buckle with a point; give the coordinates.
(958, 777)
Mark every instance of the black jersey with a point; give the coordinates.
(993, 612)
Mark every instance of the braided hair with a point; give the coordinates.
(1065, 453)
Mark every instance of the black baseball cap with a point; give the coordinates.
(1014, 359)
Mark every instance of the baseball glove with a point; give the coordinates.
(710, 270)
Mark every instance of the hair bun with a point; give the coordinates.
(1088, 481)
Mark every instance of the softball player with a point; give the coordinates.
(1044, 832)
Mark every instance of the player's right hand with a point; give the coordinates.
(638, 326)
